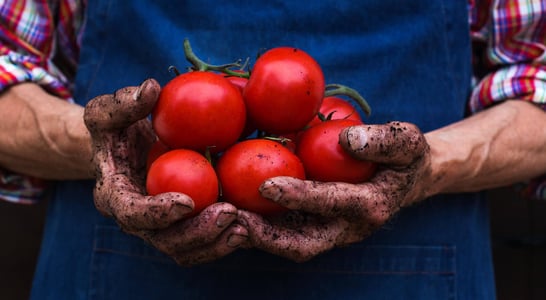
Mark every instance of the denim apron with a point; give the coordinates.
(410, 59)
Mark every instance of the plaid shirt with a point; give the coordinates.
(40, 42)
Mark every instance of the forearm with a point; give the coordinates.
(500, 146)
(43, 136)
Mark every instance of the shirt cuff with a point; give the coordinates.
(20, 188)
(516, 82)
(17, 68)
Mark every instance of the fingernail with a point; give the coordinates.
(235, 240)
(270, 191)
(184, 210)
(225, 219)
(179, 206)
(355, 138)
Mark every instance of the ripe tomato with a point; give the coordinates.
(184, 171)
(337, 108)
(240, 83)
(284, 91)
(334, 108)
(246, 165)
(325, 160)
(158, 148)
(197, 110)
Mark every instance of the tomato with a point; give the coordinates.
(289, 141)
(246, 165)
(333, 108)
(240, 83)
(197, 110)
(336, 108)
(284, 91)
(184, 171)
(158, 148)
(325, 160)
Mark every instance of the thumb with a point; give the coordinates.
(393, 143)
(123, 108)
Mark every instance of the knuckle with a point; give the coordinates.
(329, 206)
(379, 215)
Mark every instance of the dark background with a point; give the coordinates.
(518, 233)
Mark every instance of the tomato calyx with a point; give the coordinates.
(324, 118)
(335, 89)
(199, 65)
(329, 117)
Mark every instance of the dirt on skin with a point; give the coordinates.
(336, 214)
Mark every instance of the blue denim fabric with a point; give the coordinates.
(410, 59)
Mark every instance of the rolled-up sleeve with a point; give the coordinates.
(511, 61)
(16, 68)
(39, 42)
(525, 82)
(509, 40)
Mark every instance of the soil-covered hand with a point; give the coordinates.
(334, 214)
(121, 137)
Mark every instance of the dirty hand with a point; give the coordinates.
(121, 137)
(329, 215)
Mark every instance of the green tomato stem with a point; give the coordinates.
(334, 89)
(208, 155)
(200, 65)
(280, 139)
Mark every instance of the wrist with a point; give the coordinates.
(496, 147)
(75, 143)
(446, 163)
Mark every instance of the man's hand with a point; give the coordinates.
(121, 137)
(328, 215)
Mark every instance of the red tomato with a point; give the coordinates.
(158, 148)
(289, 141)
(240, 83)
(333, 108)
(336, 108)
(284, 91)
(246, 165)
(197, 110)
(184, 171)
(325, 160)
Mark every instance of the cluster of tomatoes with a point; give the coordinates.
(207, 121)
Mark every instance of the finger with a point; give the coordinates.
(297, 244)
(230, 240)
(363, 202)
(116, 196)
(328, 199)
(123, 108)
(196, 232)
(394, 143)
